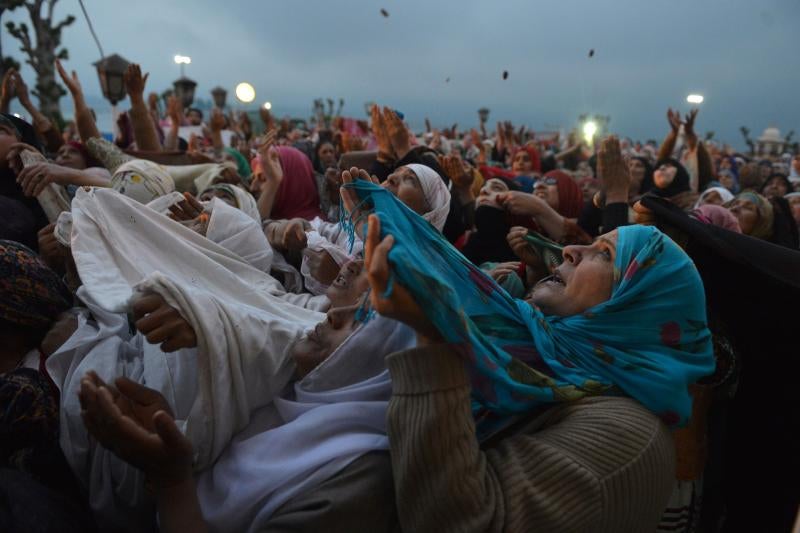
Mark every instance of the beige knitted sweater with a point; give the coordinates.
(599, 464)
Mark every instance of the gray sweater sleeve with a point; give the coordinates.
(600, 464)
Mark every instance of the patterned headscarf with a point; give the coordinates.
(649, 341)
(31, 294)
(142, 180)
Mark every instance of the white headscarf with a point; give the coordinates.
(142, 180)
(724, 193)
(436, 194)
(244, 200)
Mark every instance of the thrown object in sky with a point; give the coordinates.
(591, 52)
(447, 80)
(505, 74)
(695, 98)
(384, 13)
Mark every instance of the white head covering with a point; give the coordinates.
(436, 194)
(724, 193)
(142, 180)
(244, 200)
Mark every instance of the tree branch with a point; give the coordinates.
(58, 27)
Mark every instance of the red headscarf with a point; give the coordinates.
(570, 196)
(297, 196)
(536, 163)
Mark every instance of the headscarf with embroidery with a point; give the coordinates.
(33, 295)
(142, 180)
(649, 341)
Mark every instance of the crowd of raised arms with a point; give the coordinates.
(210, 324)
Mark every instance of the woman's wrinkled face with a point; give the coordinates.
(349, 286)
(489, 192)
(319, 343)
(70, 157)
(747, 214)
(794, 203)
(664, 175)
(775, 187)
(522, 163)
(637, 170)
(404, 184)
(712, 198)
(327, 156)
(547, 190)
(585, 279)
(210, 194)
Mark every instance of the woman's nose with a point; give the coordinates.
(572, 254)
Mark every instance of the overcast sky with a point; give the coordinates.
(743, 55)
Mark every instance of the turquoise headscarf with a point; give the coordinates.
(649, 341)
(242, 166)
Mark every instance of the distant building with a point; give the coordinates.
(771, 143)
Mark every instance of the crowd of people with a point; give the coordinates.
(215, 325)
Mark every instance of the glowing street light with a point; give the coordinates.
(695, 98)
(245, 92)
(589, 130)
(182, 60)
(267, 105)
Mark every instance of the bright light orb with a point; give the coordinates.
(695, 98)
(589, 129)
(267, 105)
(245, 92)
(183, 60)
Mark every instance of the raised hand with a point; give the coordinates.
(35, 178)
(135, 82)
(270, 158)
(613, 170)
(217, 120)
(397, 132)
(187, 209)
(7, 86)
(175, 111)
(501, 271)
(288, 235)
(349, 197)
(72, 82)
(136, 423)
(674, 119)
(521, 248)
(521, 203)
(458, 172)
(21, 89)
(378, 125)
(400, 305)
(688, 129)
(322, 266)
(162, 324)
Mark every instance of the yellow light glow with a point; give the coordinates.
(245, 92)
(695, 98)
(589, 130)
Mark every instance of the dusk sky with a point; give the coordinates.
(742, 55)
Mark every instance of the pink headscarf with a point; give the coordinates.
(297, 196)
(716, 215)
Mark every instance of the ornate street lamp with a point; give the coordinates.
(219, 95)
(110, 70)
(184, 89)
(483, 114)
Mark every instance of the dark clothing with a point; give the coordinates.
(752, 287)
(595, 221)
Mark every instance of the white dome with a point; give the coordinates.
(771, 134)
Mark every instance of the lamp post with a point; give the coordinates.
(219, 95)
(111, 70)
(483, 114)
(182, 60)
(184, 90)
